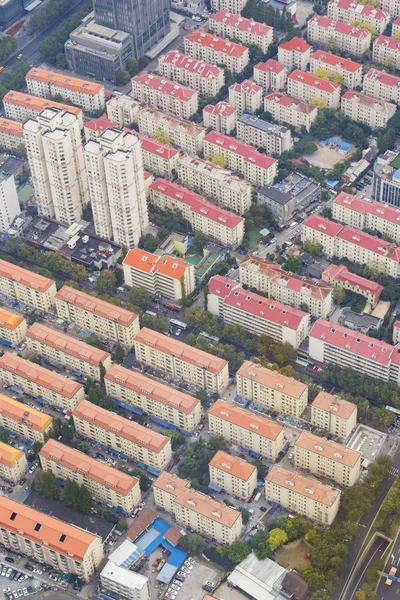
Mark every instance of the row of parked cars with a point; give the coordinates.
(180, 577)
(14, 575)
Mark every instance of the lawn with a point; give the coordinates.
(194, 259)
(207, 263)
(291, 556)
(254, 237)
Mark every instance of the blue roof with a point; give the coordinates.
(396, 174)
(259, 123)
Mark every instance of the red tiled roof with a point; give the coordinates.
(241, 23)
(322, 224)
(341, 273)
(344, 28)
(370, 242)
(383, 77)
(285, 100)
(216, 43)
(100, 124)
(270, 65)
(388, 42)
(297, 44)
(221, 108)
(155, 147)
(316, 82)
(360, 9)
(246, 86)
(337, 61)
(382, 211)
(165, 86)
(248, 152)
(182, 61)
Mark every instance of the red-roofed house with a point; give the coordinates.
(201, 76)
(349, 10)
(286, 109)
(294, 54)
(364, 109)
(350, 71)
(245, 97)
(216, 50)
(380, 84)
(221, 117)
(396, 24)
(247, 31)
(93, 129)
(257, 314)
(386, 49)
(270, 75)
(340, 276)
(305, 86)
(158, 157)
(164, 94)
(347, 38)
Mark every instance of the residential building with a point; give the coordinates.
(286, 109)
(325, 458)
(38, 382)
(226, 24)
(288, 288)
(245, 97)
(233, 6)
(13, 463)
(396, 26)
(304, 496)
(293, 194)
(225, 188)
(233, 475)
(9, 202)
(110, 486)
(196, 511)
(124, 583)
(26, 422)
(200, 369)
(257, 314)
(171, 97)
(340, 276)
(163, 275)
(126, 437)
(331, 34)
(245, 429)
(392, 7)
(21, 107)
(334, 415)
(54, 149)
(160, 401)
(11, 134)
(45, 539)
(114, 165)
(382, 85)
(307, 87)
(270, 75)
(27, 287)
(57, 347)
(158, 158)
(123, 110)
(349, 11)
(183, 134)
(221, 117)
(94, 128)
(204, 77)
(275, 139)
(256, 167)
(295, 54)
(367, 110)
(270, 390)
(386, 182)
(13, 327)
(350, 71)
(386, 50)
(216, 50)
(396, 332)
(203, 216)
(105, 320)
(86, 94)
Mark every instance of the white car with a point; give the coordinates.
(38, 571)
(192, 560)
(6, 590)
(178, 583)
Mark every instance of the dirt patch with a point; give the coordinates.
(292, 555)
(326, 158)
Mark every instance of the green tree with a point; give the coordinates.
(277, 537)
(192, 543)
(4, 437)
(313, 248)
(293, 264)
(85, 502)
(122, 525)
(238, 551)
(199, 242)
(36, 448)
(66, 433)
(49, 487)
(106, 282)
(93, 396)
(140, 297)
(71, 493)
(122, 77)
(102, 372)
(119, 354)
(83, 447)
(132, 66)
(144, 483)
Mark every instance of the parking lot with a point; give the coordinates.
(21, 581)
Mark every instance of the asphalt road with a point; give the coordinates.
(393, 560)
(375, 553)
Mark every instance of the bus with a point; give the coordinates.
(179, 324)
(151, 313)
(212, 338)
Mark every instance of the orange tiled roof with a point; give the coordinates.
(11, 127)
(65, 81)
(10, 320)
(38, 104)
(25, 277)
(235, 466)
(245, 419)
(9, 455)
(23, 414)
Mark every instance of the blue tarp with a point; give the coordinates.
(77, 373)
(254, 454)
(163, 423)
(123, 456)
(142, 465)
(215, 487)
(16, 389)
(133, 409)
(5, 342)
(153, 471)
(119, 510)
(41, 400)
(60, 481)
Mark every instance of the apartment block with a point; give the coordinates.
(27, 287)
(183, 134)
(245, 97)
(348, 11)
(334, 415)
(13, 463)
(158, 158)
(386, 182)
(325, 458)
(256, 167)
(9, 202)
(288, 288)
(94, 128)
(197, 511)
(65, 350)
(304, 496)
(110, 486)
(275, 139)
(124, 583)
(154, 398)
(257, 314)
(174, 98)
(234, 26)
(396, 26)
(392, 7)
(21, 107)
(11, 134)
(201, 369)
(166, 276)
(386, 50)
(27, 422)
(123, 110)
(13, 327)
(326, 32)
(396, 332)
(350, 71)
(221, 117)
(367, 110)
(270, 75)
(307, 87)
(204, 77)
(382, 85)
(295, 54)
(127, 437)
(86, 94)
(271, 390)
(203, 216)
(101, 318)
(38, 382)
(286, 109)
(323, 231)
(246, 430)
(225, 188)
(233, 6)
(47, 540)
(233, 475)
(216, 50)
(340, 276)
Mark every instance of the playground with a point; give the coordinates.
(330, 152)
(293, 555)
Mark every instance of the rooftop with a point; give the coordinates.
(65, 81)
(248, 153)
(382, 77)
(271, 65)
(159, 116)
(341, 273)
(316, 82)
(346, 64)
(233, 465)
(323, 224)
(24, 277)
(369, 102)
(362, 206)
(388, 42)
(342, 28)
(10, 320)
(21, 413)
(329, 449)
(370, 242)
(305, 486)
(223, 176)
(247, 86)
(295, 44)
(360, 9)
(100, 124)
(182, 61)
(245, 419)
(272, 379)
(220, 108)
(293, 103)
(335, 405)
(11, 127)
(165, 86)
(9, 455)
(216, 43)
(260, 124)
(241, 23)
(125, 578)
(169, 266)
(38, 104)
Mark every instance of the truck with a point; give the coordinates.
(390, 577)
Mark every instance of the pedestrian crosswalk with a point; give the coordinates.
(393, 471)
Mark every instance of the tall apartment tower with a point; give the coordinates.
(115, 172)
(55, 154)
(9, 203)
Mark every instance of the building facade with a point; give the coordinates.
(171, 97)
(183, 134)
(216, 50)
(13, 327)
(275, 139)
(123, 110)
(307, 87)
(367, 110)
(234, 26)
(295, 54)
(392, 7)
(245, 97)
(386, 182)
(331, 34)
(13, 463)
(340, 276)
(27, 287)
(382, 85)
(286, 109)
(29, 423)
(386, 50)
(270, 75)
(123, 583)
(159, 158)
(11, 134)
(9, 202)
(21, 107)
(334, 415)
(348, 11)
(350, 71)
(233, 474)
(206, 78)
(221, 116)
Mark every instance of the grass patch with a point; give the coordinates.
(254, 237)
(396, 163)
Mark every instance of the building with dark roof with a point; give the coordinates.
(294, 193)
